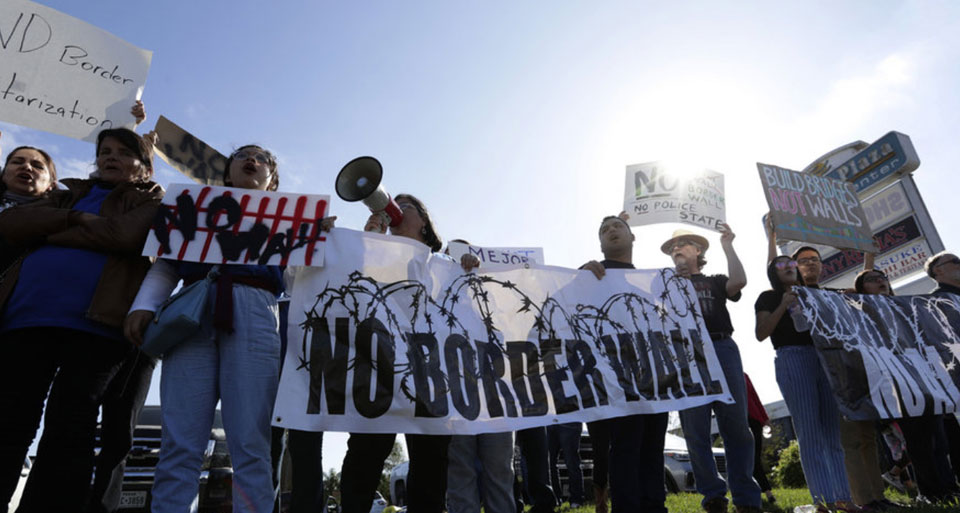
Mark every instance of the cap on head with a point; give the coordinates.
(699, 240)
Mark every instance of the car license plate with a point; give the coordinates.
(133, 499)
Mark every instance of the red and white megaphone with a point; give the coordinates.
(359, 180)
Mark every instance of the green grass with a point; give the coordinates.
(787, 499)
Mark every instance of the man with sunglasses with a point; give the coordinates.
(944, 267)
(687, 250)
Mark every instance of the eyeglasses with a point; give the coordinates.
(953, 260)
(786, 264)
(681, 243)
(809, 261)
(875, 278)
(255, 155)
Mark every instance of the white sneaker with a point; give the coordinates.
(894, 481)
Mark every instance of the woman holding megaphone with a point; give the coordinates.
(366, 452)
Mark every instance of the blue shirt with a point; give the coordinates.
(57, 283)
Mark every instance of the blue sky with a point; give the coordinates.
(514, 121)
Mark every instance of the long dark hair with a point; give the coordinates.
(778, 286)
(51, 168)
(133, 142)
(430, 236)
(271, 163)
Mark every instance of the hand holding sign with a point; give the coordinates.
(188, 154)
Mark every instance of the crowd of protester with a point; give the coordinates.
(76, 295)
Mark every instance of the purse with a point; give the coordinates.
(179, 317)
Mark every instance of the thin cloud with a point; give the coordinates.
(72, 167)
(852, 102)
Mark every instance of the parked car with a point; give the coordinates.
(398, 484)
(677, 469)
(379, 504)
(216, 475)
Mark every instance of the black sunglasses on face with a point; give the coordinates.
(954, 260)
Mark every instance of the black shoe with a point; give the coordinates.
(715, 505)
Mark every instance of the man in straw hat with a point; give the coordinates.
(687, 250)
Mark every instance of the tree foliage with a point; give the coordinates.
(789, 472)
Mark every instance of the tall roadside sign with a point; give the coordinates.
(881, 174)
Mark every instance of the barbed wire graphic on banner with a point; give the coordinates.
(362, 297)
(897, 323)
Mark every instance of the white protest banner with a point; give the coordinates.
(497, 258)
(188, 154)
(887, 357)
(63, 75)
(225, 225)
(659, 193)
(385, 337)
(815, 209)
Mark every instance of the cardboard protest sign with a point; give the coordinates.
(188, 154)
(63, 75)
(657, 194)
(815, 209)
(225, 225)
(386, 337)
(497, 258)
(887, 357)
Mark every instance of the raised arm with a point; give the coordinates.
(138, 112)
(736, 277)
(771, 238)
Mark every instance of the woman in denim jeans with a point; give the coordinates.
(805, 388)
(234, 359)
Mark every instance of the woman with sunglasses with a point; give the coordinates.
(805, 388)
(234, 359)
(366, 452)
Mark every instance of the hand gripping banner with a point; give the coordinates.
(387, 337)
(887, 357)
